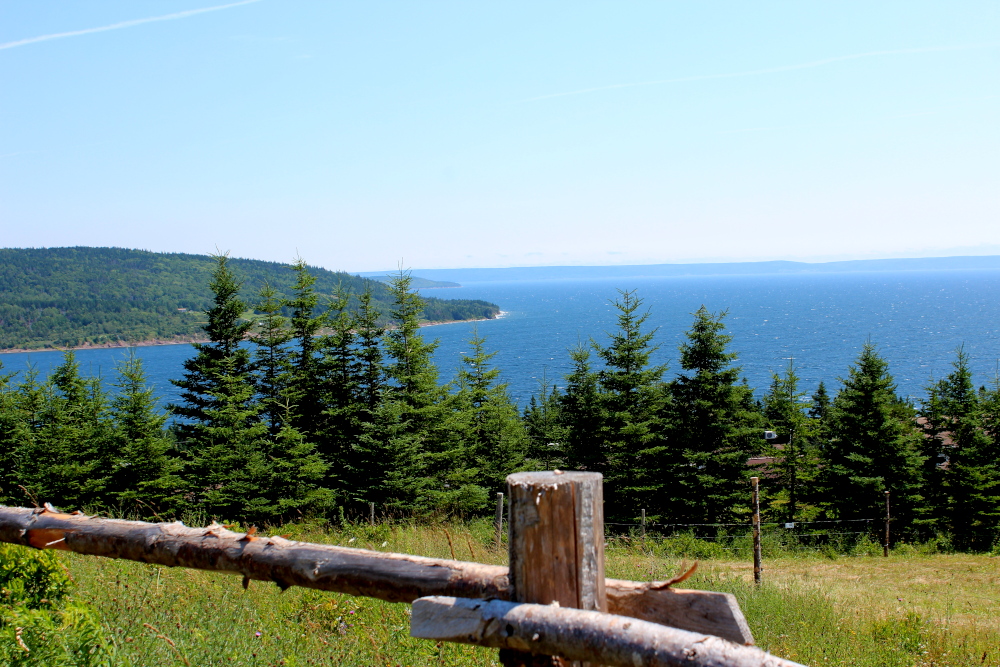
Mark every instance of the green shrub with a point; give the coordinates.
(39, 623)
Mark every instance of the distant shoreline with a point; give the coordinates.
(107, 346)
(181, 340)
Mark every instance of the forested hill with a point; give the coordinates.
(68, 297)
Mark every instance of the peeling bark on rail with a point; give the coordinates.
(577, 634)
(385, 576)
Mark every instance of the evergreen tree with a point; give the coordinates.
(339, 387)
(493, 430)
(874, 446)
(222, 356)
(67, 459)
(632, 400)
(581, 413)
(273, 361)
(306, 324)
(545, 429)
(144, 472)
(714, 428)
(964, 430)
(820, 408)
(794, 460)
(361, 467)
(229, 469)
(12, 432)
(417, 436)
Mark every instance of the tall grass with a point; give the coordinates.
(858, 610)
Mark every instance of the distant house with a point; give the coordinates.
(182, 310)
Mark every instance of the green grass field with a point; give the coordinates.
(908, 609)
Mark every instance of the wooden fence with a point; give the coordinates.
(553, 600)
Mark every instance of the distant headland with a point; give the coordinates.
(971, 262)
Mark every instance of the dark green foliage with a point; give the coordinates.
(962, 467)
(793, 465)
(66, 297)
(313, 406)
(714, 428)
(493, 431)
(144, 473)
(66, 452)
(873, 447)
(12, 426)
(582, 417)
(632, 398)
(305, 323)
(272, 360)
(545, 428)
(224, 355)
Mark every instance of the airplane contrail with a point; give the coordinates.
(123, 24)
(769, 70)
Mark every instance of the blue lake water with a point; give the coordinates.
(917, 320)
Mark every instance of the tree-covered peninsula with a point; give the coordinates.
(73, 297)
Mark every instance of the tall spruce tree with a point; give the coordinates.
(417, 437)
(874, 446)
(545, 428)
(715, 427)
(361, 466)
(494, 433)
(795, 460)
(306, 322)
(68, 458)
(581, 412)
(273, 367)
(12, 434)
(144, 476)
(229, 472)
(632, 399)
(964, 426)
(223, 356)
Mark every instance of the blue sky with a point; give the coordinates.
(470, 134)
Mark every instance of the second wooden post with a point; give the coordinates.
(556, 542)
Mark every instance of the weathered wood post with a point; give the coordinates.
(885, 547)
(556, 543)
(499, 520)
(644, 529)
(756, 530)
(371, 513)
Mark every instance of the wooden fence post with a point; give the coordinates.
(371, 513)
(556, 546)
(499, 520)
(756, 530)
(644, 528)
(885, 547)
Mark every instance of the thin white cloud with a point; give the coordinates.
(123, 24)
(769, 70)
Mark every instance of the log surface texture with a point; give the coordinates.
(577, 634)
(385, 576)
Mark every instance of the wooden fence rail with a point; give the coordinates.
(553, 606)
(577, 634)
(385, 576)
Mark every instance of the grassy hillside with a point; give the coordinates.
(68, 297)
(903, 611)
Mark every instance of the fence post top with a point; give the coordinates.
(552, 478)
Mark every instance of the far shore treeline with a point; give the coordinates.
(331, 409)
(79, 297)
